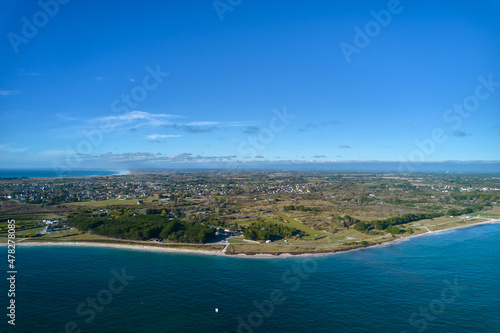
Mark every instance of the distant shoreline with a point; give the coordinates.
(6, 174)
(153, 247)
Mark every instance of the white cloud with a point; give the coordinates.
(240, 123)
(154, 119)
(162, 136)
(64, 117)
(30, 74)
(146, 156)
(203, 123)
(137, 119)
(54, 153)
(8, 92)
(7, 147)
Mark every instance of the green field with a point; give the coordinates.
(485, 214)
(113, 202)
(310, 232)
(20, 233)
(238, 240)
(29, 216)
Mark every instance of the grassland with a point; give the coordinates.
(113, 202)
(299, 225)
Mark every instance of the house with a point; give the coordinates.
(140, 202)
(51, 223)
(268, 241)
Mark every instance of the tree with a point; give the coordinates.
(361, 226)
(271, 231)
(144, 227)
(393, 230)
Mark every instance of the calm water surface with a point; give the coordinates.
(446, 282)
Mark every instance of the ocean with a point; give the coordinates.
(442, 282)
(43, 173)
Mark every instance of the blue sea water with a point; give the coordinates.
(443, 282)
(40, 173)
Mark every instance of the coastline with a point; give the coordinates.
(429, 233)
(49, 174)
(119, 246)
(274, 255)
(122, 172)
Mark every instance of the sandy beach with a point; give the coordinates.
(119, 246)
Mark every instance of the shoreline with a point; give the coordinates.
(115, 172)
(429, 233)
(263, 255)
(138, 247)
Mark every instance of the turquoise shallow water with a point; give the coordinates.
(445, 282)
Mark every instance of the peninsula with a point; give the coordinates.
(244, 213)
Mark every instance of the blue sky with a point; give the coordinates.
(254, 81)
